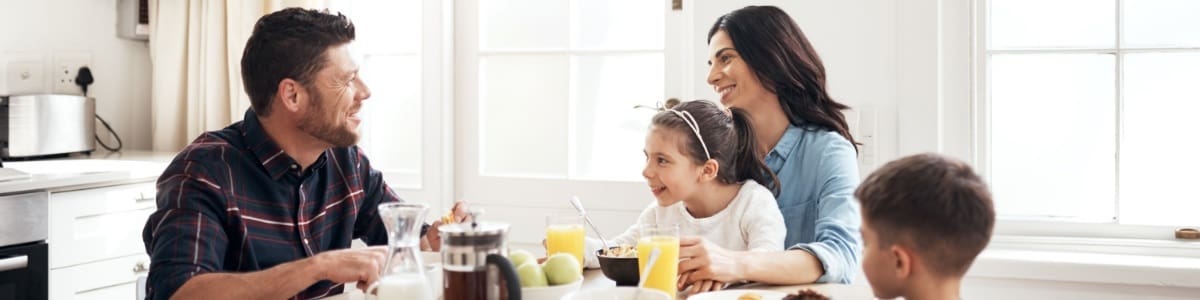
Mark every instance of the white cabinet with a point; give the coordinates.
(95, 240)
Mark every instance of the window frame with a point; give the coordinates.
(524, 200)
(1059, 233)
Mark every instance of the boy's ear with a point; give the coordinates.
(903, 264)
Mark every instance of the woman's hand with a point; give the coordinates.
(702, 260)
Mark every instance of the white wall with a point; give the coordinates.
(121, 67)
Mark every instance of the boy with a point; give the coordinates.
(925, 218)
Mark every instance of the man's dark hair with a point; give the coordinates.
(289, 43)
(932, 204)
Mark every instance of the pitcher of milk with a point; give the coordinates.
(403, 275)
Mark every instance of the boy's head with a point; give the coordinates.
(924, 216)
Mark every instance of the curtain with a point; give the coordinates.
(195, 55)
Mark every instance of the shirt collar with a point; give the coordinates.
(269, 155)
(783, 149)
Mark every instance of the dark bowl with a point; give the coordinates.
(623, 270)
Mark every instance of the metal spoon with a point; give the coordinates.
(579, 207)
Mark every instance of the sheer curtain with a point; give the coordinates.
(195, 53)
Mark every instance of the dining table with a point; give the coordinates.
(595, 279)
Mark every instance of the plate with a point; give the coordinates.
(734, 294)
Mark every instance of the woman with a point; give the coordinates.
(762, 63)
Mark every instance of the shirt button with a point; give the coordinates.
(294, 166)
(306, 241)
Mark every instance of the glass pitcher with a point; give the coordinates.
(403, 276)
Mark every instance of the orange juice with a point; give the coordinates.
(666, 266)
(566, 238)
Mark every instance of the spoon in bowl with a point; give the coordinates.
(579, 207)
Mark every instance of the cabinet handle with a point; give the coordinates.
(139, 267)
(13, 263)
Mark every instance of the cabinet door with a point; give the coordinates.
(107, 279)
(96, 224)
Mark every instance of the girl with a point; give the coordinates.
(706, 172)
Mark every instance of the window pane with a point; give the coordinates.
(1052, 23)
(1161, 23)
(618, 24)
(1053, 138)
(522, 24)
(523, 115)
(1158, 148)
(609, 133)
(391, 129)
(397, 30)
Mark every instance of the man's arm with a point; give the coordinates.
(288, 279)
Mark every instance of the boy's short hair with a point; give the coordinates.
(932, 204)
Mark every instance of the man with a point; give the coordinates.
(258, 210)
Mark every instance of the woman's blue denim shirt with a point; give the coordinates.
(818, 172)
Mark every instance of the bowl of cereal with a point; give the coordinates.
(619, 264)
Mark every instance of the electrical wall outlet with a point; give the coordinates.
(64, 69)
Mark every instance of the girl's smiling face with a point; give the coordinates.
(670, 172)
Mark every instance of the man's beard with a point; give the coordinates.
(320, 124)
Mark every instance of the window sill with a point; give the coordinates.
(1091, 260)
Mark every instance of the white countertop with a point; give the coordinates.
(101, 168)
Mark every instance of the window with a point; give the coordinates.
(1088, 109)
(546, 92)
(400, 47)
(557, 84)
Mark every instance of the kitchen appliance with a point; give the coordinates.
(46, 125)
(24, 265)
(474, 261)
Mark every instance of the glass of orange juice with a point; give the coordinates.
(564, 233)
(663, 273)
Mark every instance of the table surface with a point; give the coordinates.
(593, 279)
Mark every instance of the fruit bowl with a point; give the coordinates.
(553, 292)
(623, 270)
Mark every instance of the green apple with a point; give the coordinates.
(531, 275)
(519, 257)
(562, 268)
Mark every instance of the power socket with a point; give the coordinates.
(66, 68)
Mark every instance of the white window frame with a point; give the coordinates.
(524, 201)
(1045, 232)
(437, 111)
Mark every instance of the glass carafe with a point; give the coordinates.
(403, 275)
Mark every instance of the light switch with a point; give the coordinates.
(21, 74)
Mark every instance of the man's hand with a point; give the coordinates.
(433, 238)
(350, 265)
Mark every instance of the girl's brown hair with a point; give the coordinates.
(728, 137)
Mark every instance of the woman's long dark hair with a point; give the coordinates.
(780, 55)
(729, 138)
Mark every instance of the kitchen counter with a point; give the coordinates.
(80, 171)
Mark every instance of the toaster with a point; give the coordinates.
(46, 125)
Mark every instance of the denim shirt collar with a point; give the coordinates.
(783, 149)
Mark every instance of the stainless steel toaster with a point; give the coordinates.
(46, 125)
